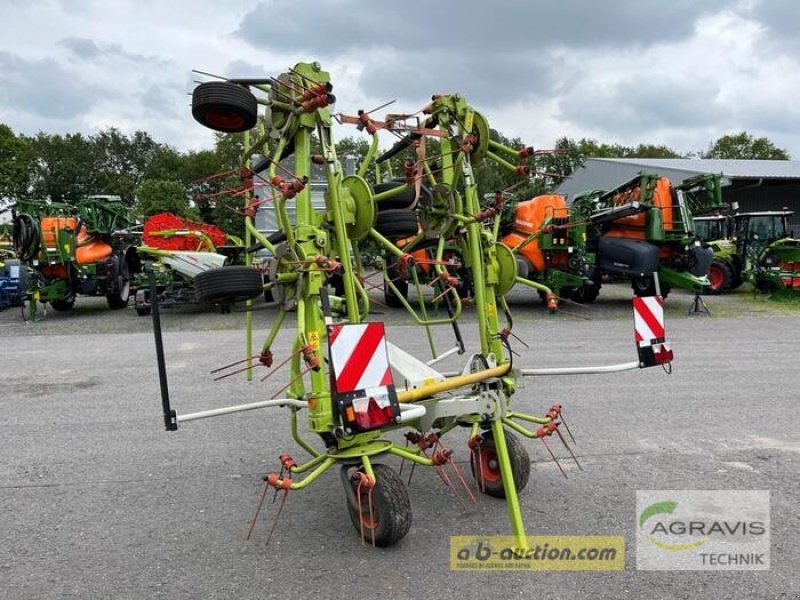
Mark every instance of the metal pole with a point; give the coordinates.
(170, 418)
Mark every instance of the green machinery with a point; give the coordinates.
(756, 247)
(70, 250)
(641, 227)
(339, 360)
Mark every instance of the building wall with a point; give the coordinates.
(765, 195)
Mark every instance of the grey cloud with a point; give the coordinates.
(644, 103)
(486, 80)
(469, 26)
(81, 47)
(779, 16)
(44, 87)
(87, 49)
(161, 100)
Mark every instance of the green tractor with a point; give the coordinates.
(756, 247)
(67, 250)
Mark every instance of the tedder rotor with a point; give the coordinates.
(347, 376)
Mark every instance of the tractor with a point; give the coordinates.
(641, 227)
(755, 246)
(70, 250)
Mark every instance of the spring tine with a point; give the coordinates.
(233, 364)
(258, 511)
(275, 495)
(460, 476)
(572, 454)
(411, 473)
(554, 458)
(563, 422)
(277, 515)
(402, 462)
(232, 373)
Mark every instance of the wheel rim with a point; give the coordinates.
(490, 466)
(715, 277)
(224, 120)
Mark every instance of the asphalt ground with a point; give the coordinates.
(98, 501)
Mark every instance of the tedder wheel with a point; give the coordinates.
(720, 277)
(391, 508)
(403, 200)
(397, 223)
(120, 289)
(224, 106)
(227, 285)
(400, 282)
(63, 304)
(489, 477)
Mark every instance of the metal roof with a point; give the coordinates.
(606, 173)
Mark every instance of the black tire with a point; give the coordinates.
(396, 224)
(268, 296)
(63, 304)
(223, 106)
(646, 286)
(401, 283)
(120, 286)
(142, 311)
(227, 285)
(391, 508)
(403, 200)
(720, 276)
(490, 478)
(586, 294)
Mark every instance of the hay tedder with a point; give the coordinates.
(347, 376)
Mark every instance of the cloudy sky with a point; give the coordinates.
(673, 72)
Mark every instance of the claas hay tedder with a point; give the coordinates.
(348, 377)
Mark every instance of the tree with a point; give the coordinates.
(123, 161)
(742, 145)
(63, 168)
(14, 163)
(162, 195)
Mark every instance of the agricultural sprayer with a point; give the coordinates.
(641, 227)
(69, 250)
(352, 383)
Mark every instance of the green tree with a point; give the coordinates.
(63, 168)
(123, 161)
(742, 145)
(14, 163)
(162, 195)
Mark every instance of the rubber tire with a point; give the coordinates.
(401, 201)
(225, 107)
(646, 286)
(391, 508)
(397, 224)
(401, 283)
(121, 292)
(227, 285)
(725, 275)
(142, 311)
(586, 294)
(63, 304)
(493, 480)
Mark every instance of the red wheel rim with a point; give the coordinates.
(490, 466)
(715, 277)
(224, 120)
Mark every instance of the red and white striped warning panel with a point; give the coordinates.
(648, 325)
(648, 320)
(359, 357)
